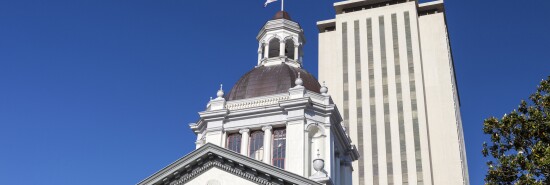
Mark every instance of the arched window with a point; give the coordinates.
(279, 147)
(256, 145)
(289, 49)
(234, 142)
(274, 47)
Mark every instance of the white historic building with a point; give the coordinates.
(277, 125)
(389, 65)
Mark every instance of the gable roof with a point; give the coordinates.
(212, 156)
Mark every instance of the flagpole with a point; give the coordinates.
(282, 5)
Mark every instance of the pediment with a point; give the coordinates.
(209, 160)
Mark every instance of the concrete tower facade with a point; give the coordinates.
(390, 68)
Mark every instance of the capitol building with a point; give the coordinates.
(384, 110)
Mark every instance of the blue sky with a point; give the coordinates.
(101, 91)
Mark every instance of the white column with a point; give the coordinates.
(244, 141)
(259, 56)
(267, 144)
(282, 48)
(296, 55)
(266, 51)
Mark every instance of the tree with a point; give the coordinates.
(519, 150)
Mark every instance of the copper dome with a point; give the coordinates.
(269, 80)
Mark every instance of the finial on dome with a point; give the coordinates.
(220, 92)
(324, 89)
(299, 81)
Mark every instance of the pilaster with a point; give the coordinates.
(217, 104)
(214, 120)
(296, 146)
(297, 92)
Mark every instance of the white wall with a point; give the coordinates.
(442, 103)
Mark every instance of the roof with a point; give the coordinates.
(269, 80)
(212, 156)
(282, 15)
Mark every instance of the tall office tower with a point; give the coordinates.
(390, 68)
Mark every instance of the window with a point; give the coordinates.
(279, 148)
(274, 48)
(256, 145)
(289, 49)
(234, 142)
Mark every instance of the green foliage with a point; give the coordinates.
(519, 150)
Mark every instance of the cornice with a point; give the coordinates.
(298, 103)
(212, 115)
(281, 24)
(198, 126)
(255, 112)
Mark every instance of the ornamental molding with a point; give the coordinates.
(244, 130)
(255, 103)
(267, 128)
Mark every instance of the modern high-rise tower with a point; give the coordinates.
(390, 68)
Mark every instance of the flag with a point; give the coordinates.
(269, 1)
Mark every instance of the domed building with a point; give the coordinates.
(277, 125)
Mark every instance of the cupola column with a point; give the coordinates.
(244, 141)
(267, 143)
(266, 51)
(296, 55)
(260, 55)
(282, 47)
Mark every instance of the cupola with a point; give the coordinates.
(280, 41)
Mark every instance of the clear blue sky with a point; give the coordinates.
(101, 91)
